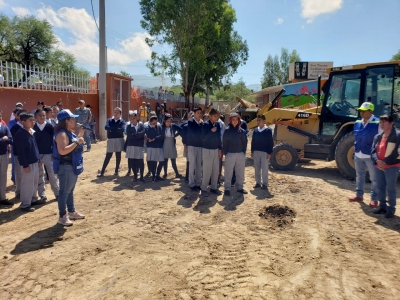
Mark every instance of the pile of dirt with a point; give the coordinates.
(279, 215)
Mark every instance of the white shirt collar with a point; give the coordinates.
(41, 126)
(262, 129)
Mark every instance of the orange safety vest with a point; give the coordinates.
(143, 111)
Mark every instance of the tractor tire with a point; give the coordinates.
(344, 156)
(284, 157)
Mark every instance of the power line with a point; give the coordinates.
(91, 2)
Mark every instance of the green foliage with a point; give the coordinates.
(205, 48)
(230, 92)
(31, 42)
(276, 69)
(396, 56)
(124, 73)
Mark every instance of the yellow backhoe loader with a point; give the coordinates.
(325, 132)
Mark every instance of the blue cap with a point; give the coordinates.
(65, 114)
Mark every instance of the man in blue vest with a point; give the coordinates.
(364, 131)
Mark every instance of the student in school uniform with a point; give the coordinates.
(184, 142)
(234, 147)
(115, 127)
(194, 148)
(43, 135)
(261, 149)
(155, 141)
(54, 120)
(11, 123)
(17, 170)
(171, 131)
(135, 133)
(28, 157)
(212, 151)
(5, 142)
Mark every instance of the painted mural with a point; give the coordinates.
(300, 93)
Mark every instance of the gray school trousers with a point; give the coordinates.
(29, 185)
(46, 161)
(260, 167)
(17, 171)
(3, 175)
(237, 162)
(210, 168)
(194, 157)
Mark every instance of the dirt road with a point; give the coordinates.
(164, 241)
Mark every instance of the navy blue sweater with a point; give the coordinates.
(27, 149)
(133, 137)
(155, 133)
(176, 130)
(44, 138)
(193, 135)
(184, 133)
(234, 140)
(4, 131)
(14, 129)
(262, 141)
(115, 128)
(211, 140)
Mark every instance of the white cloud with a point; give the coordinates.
(279, 21)
(2, 3)
(20, 11)
(83, 40)
(313, 8)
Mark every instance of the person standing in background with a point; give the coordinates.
(54, 120)
(143, 112)
(364, 131)
(115, 127)
(85, 117)
(17, 169)
(194, 148)
(43, 135)
(5, 142)
(92, 125)
(171, 131)
(261, 149)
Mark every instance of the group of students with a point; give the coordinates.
(205, 142)
(32, 140)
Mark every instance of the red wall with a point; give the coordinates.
(29, 98)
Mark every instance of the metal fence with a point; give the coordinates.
(166, 96)
(20, 76)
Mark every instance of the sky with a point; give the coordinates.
(342, 31)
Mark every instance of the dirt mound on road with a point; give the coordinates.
(279, 215)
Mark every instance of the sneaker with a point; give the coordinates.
(6, 202)
(76, 215)
(28, 209)
(257, 186)
(38, 202)
(356, 199)
(373, 203)
(242, 191)
(116, 173)
(178, 175)
(164, 176)
(158, 178)
(264, 187)
(148, 174)
(44, 198)
(100, 174)
(204, 193)
(216, 192)
(194, 188)
(380, 210)
(142, 179)
(227, 193)
(65, 221)
(389, 214)
(186, 180)
(134, 179)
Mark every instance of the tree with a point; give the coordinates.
(204, 45)
(276, 70)
(61, 60)
(124, 73)
(396, 56)
(230, 92)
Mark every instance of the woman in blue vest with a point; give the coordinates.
(67, 154)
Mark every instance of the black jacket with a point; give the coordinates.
(115, 128)
(4, 131)
(211, 140)
(27, 149)
(155, 133)
(14, 129)
(133, 137)
(262, 141)
(234, 140)
(193, 135)
(393, 141)
(44, 138)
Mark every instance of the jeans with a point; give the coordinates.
(67, 180)
(386, 184)
(93, 132)
(361, 164)
(86, 137)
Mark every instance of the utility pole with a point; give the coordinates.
(163, 82)
(102, 69)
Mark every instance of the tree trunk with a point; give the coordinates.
(187, 99)
(207, 95)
